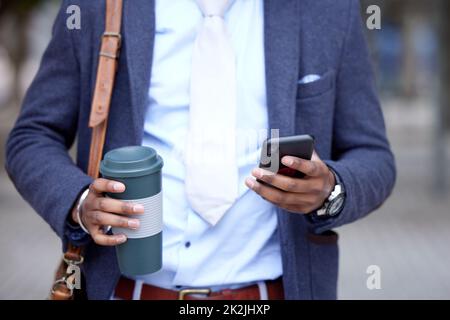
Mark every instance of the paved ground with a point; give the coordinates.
(408, 237)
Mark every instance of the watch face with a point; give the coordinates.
(335, 206)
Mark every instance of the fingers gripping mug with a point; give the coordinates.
(139, 168)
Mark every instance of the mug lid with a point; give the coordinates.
(130, 161)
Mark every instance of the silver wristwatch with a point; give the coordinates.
(335, 202)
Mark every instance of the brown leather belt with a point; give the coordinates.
(125, 288)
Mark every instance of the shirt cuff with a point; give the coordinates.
(76, 235)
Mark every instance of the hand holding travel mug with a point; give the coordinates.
(139, 168)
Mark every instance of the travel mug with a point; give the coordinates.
(139, 168)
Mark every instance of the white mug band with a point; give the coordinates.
(151, 221)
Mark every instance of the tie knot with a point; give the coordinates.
(214, 8)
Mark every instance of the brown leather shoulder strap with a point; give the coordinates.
(106, 74)
(109, 53)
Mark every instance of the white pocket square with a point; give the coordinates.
(309, 78)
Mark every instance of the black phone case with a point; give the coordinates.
(275, 149)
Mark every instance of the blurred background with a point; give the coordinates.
(408, 238)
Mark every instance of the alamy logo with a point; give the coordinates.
(374, 279)
(74, 278)
(73, 22)
(374, 20)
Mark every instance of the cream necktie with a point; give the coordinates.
(211, 164)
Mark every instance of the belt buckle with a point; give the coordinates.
(186, 292)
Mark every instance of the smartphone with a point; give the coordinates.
(274, 149)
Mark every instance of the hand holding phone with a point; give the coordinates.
(292, 158)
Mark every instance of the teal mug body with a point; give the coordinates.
(139, 168)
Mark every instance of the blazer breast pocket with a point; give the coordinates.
(315, 107)
(316, 88)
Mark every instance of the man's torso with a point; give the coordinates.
(244, 246)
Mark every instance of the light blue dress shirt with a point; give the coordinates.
(243, 247)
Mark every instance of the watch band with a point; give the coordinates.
(322, 211)
(336, 177)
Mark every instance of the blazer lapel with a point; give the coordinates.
(139, 32)
(282, 54)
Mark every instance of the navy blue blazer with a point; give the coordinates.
(301, 37)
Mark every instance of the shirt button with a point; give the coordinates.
(187, 244)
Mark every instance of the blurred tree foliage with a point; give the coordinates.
(15, 16)
(18, 7)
